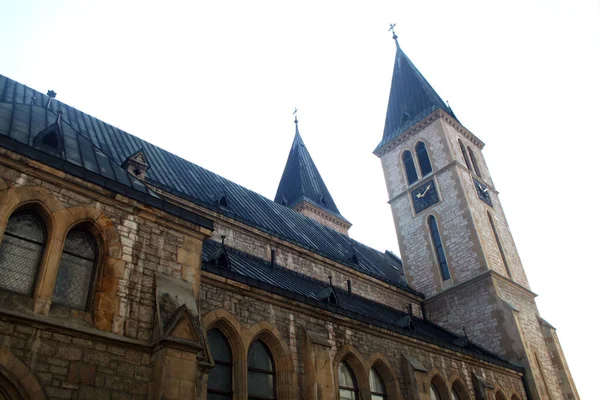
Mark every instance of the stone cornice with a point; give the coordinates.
(304, 205)
(422, 124)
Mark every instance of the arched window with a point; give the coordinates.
(409, 167)
(499, 244)
(474, 162)
(261, 372)
(76, 270)
(423, 157)
(21, 252)
(464, 154)
(377, 385)
(439, 248)
(500, 396)
(458, 392)
(347, 382)
(220, 385)
(434, 392)
(455, 395)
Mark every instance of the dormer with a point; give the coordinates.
(137, 164)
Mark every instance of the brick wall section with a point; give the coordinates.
(322, 217)
(250, 310)
(78, 368)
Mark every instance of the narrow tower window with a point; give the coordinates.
(21, 252)
(474, 162)
(464, 154)
(423, 157)
(439, 248)
(499, 244)
(220, 385)
(409, 167)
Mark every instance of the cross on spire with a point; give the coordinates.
(392, 26)
(295, 115)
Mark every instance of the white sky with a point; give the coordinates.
(216, 83)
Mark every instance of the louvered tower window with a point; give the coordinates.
(76, 270)
(21, 252)
(377, 386)
(439, 248)
(465, 155)
(347, 383)
(499, 244)
(220, 385)
(423, 157)
(409, 167)
(474, 162)
(261, 373)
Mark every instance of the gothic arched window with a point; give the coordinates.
(261, 372)
(21, 252)
(377, 385)
(409, 167)
(439, 248)
(465, 155)
(347, 382)
(500, 396)
(499, 244)
(434, 392)
(220, 386)
(458, 392)
(423, 157)
(76, 270)
(474, 162)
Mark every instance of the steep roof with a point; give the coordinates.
(205, 188)
(411, 98)
(301, 180)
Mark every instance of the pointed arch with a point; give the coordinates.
(463, 150)
(357, 364)
(387, 372)
(515, 397)
(409, 167)
(438, 386)
(458, 388)
(22, 380)
(474, 161)
(285, 376)
(499, 395)
(423, 158)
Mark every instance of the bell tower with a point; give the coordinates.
(453, 236)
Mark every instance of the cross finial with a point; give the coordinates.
(295, 115)
(394, 36)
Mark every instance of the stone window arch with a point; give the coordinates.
(409, 167)
(499, 395)
(463, 150)
(73, 287)
(459, 391)
(21, 251)
(261, 372)
(381, 365)
(423, 158)
(474, 161)
(220, 377)
(437, 389)
(377, 385)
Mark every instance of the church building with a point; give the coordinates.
(129, 273)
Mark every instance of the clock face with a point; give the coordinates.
(483, 192)
(424, 196)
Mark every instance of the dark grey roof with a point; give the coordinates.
(205, 188)
(301, 180)
(276, 279)
(411, 98)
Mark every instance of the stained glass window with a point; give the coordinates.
(439, 247)
(464, 154)
(377, 385)
(261, 372)
(423, 157)
(409, 167)
(21, 252)
(76, 270)
(347, 383)
(474, 162)
(220, 385)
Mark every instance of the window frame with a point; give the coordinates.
(383, 395)
(423, 158)
(263, 371)
(354, 389)
(412, 166)
(224, 363)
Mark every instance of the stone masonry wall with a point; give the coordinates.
(250, 310)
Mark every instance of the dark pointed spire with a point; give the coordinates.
(411, 97)
(301, 180)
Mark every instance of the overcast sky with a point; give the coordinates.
(216, 83)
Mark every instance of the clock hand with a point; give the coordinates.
(426, 189)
